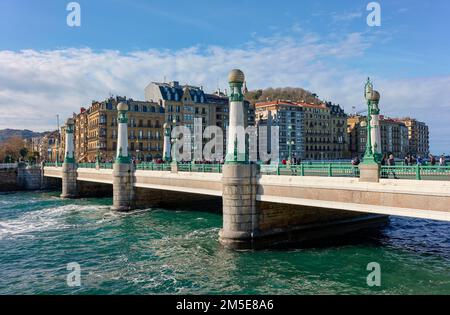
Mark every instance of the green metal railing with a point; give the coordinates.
(153, 167)
(53, 164)
(324, 170)
(200, 168)
(108, 166)
(87, 165)
(417, 172)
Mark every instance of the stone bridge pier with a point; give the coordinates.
(240, 217)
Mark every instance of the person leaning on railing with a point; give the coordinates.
(355, 162)
(442, 161)
(391, 164)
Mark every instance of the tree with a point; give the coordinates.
(23, 152)
(287, 93)
(10, 149)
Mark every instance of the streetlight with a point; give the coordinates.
(137, 150)
(97, 158)
(290, 144)
(372, 98)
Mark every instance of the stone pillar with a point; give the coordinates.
(240, 220)
(240, 215)
(369, 172)
(123, 190)
(29, 177)
(69, 169)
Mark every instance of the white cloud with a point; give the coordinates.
(37, 85)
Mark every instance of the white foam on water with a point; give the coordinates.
(40, 220)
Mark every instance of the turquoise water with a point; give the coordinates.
(156, 251)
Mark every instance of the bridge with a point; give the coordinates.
(264, 205)
(288, 198)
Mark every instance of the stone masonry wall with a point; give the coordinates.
(8, 180)
(148, 198)
(278, 216)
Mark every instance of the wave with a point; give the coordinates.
(40, 220)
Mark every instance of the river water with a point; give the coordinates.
(156, 251)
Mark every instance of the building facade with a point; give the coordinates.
(419, 137)
(96, 130)
(318, 131)
(289, 118)
(183, 104)
(394, 136)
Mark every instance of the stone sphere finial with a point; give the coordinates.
(375, 97)
(122, 106)
(236, 76)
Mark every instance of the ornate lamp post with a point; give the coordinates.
(97, 156)
(69, 156)
(136, 143)
(122, 143)
(290, 143)
(174, 142)
(167, 143)
(56, 152)
(236, 80)
(372, 154)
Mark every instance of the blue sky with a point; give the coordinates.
(324, 46)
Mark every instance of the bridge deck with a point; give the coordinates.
(411, 198)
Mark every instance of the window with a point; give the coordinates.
(144, 108)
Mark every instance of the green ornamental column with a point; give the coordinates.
(240, 214)
(167, 145)
(370, 166)
(236, 146)
(69, 168)
(123, 190)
